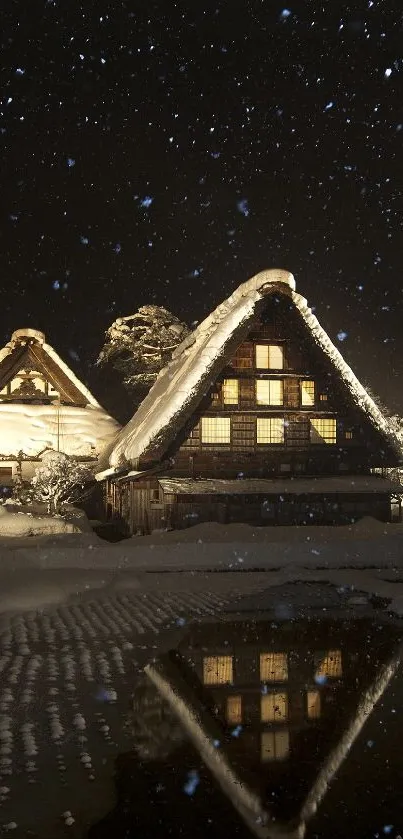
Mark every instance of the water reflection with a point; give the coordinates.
(244, 727)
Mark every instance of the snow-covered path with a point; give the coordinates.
(66, 676)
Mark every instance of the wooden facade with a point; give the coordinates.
(277, 408)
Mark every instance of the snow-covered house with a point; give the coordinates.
(43, 406)
(256, 418)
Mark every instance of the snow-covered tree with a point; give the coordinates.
(60, 480)
(139, 346)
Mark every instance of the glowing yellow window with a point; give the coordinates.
(216, 430)
(234, 709)
(230, 391)
(307, 393)
(329, 666)
(273, 667)
(323, 430)
(349, 435)
(313, 704)
(218, 670)
(269, 357)
(269, 392)
(274, 707)
(269, 430)
(275, 745)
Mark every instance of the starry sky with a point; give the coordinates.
(164, 152)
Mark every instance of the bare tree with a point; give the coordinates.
(61, 480)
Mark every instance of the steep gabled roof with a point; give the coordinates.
(80, 426)
(29, 346)
(196, 362)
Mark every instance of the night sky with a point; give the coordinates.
(163, 153)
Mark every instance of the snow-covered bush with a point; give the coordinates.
(61, 480)
(139, 346)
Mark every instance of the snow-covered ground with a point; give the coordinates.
(212, 546)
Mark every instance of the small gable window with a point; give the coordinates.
(275, 745)
(323, 430)
(269, 430)
(218, 670)
(230, 391)
(307, 393)
(216, 430)
(269, 357)
(269, 392)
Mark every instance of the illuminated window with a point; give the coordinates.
(323, 397)
(216, 430)
(323, 430)
(234, 709)
(270, 430)
(273, 667)
(307, 393)
(269, 357)
(349, 435)
(329, 665)
(313, 704)
(273, 707)
(218, 670)
(269, 392)
(275, 745)
(230, 391)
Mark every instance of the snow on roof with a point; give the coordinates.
(285, 486)
(196, 361)
(78, 431)
(23, 336)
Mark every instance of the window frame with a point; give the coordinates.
(268, 443)
(218, 442)
(269, 382)
(231, 379)
(322, 441)
(301, 393)
(268, 344)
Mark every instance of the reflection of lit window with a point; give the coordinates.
(323, 430)
(273, 667)
(273, 707)
(230, 391)
(269, 392)
(275, 745)
(234, 709)
(217, 670)
(313, 704)
(307, 393)
(329, 665)
(216, 430)
(269, 357)
(269, 430)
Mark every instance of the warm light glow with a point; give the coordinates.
(230, 391)
(269, 430)
(313, 704)
(215, 430)
(273, 667)
(234, 709)
(218, 670)
(307, 393)
(323, 430)
(269, 392)
(330, 665)
(275, 745)
(269, 357)
(274, 707)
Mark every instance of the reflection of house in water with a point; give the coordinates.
(283, 694)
